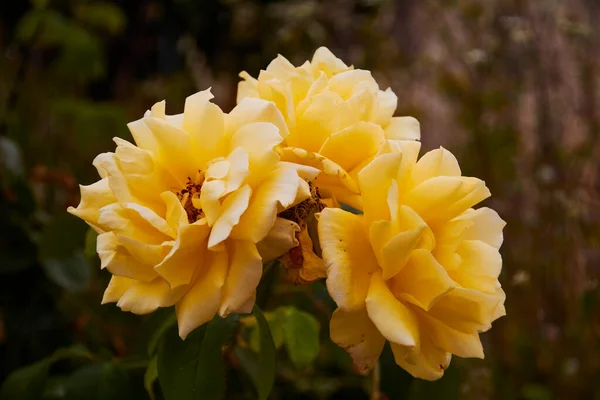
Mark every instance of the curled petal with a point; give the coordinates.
(356, 333)
(348, 257)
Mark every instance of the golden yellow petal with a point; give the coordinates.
(245, 270)
(439, 162)
(486, 225)
(462, 344)
(93, 198)
(422, 281)
(480, 267)
(442, 198)
(469, 310)
(255, 110)
(348, 257)
(186, 256)
(396, 322)
(202, 301)
(403, 128)
(248, 87)
(116, 258)
(145, 297)
(233, 207)
(116, 288)
(385, 107)
(428, 362)
(259, 139)
(375, 181)
(355, 333)
(209, 200)
(349, 147)
(276, 193)
(204, 122)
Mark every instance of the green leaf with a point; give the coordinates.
(29, 382)
(105, 381)
(10, 156)
(210, 374)
(301, 337)
(154, 340)
(194, 367)
(89, 249)
(150, 377)
(26, 383)
(71, 273)
(276, 322)
(61, 252)
(261, 370)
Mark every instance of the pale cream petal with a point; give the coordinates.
(351, 146)
(375, 180)
(325, 60)
(259, 139)
(247, 87)
(93, 198)
(273, 195)
(209, 200)
(233, 207)
(248, 305)
(480, 267)
(201, 302)
(396, 322)
(116, 288)
(486, 226)
(345, 82)
(175, 215)
(355, 333)
(439, 162)
(145, 297)
(186, 256)
(255, 110)
(348, 257)
(386, 104)
(422, 281)
(143, 135)
(403, 128)
(107, 167)
(245, 270)
(204, 122)
(280, 239)
(174, 150)
(116, 258)
(429, 362)
(149, 254)
(238, 170)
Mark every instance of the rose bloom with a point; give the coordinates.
(179, 215)
(420, 267)
(337, 116)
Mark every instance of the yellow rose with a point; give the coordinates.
(337, 116)
(179, 215)
(420, 267)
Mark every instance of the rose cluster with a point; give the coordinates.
(188, 215)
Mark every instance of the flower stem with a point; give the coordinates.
(375, 382)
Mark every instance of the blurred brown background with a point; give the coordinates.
(511, 87)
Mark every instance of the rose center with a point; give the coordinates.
(190, 197)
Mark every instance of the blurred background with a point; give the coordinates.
(511, 87)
